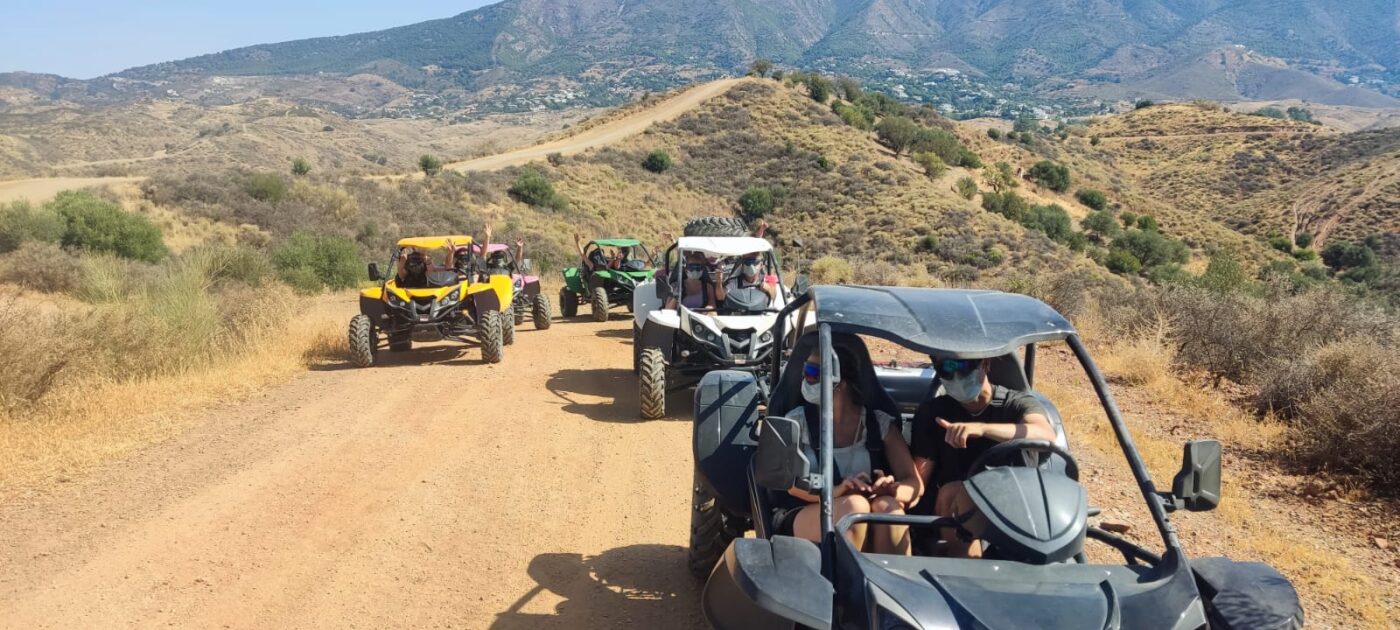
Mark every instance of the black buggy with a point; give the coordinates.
(1034, 572)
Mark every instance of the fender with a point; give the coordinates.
(659, 336)
(531, 287)
(486, 300)
(573, 280)
(372, 302)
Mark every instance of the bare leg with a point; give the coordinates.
(888, 538)
(808, 522)
(952, 501)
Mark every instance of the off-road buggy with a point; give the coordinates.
(604, 288)
(1034, 572)
(528, 301)
(453, 306)
(684, 343)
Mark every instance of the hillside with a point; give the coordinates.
(525, 54)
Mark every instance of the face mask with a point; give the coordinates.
(693, 275)
(750, 270)
(965, 388)
(812, 390)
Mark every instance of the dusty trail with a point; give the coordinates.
(604, 134)
(41, 189)
(431, 492)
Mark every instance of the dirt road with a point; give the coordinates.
(41, 189)
(430, 492)
(604, 134)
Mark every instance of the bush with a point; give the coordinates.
(896, 132)
(1303, 239)
(819, 88)
(831, 270)
(41, 266)
(1052, 220)
(854, 116)
(757, 202)
(1000, 177)
(1270, 112)
(309, 262)
(430, 165)
(1050, 174)
(760, 67)
(945, 145)
(1095, 199)
(267, 187)
(1102, 225)
(555, 159)
(1151, 248)
(532, 187)
(1122, 261)
(96, 225)
(1094, 140)
(1007, 204)
(966, 187)
(1143, 104)
(1281, 243)
(657, 161)
(994, 133)
(300, 167)
(1147, 223)
(1129, 219)
(933, 166)
(1301, 115)
(21, 222)
(1304, 255)
(849, 89)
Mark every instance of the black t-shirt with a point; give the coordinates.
(951, 464)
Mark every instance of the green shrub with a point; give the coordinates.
(96, 225)
(854, 116)
(757, 202)
(1007, 204)
(966, 187)
(555, 159)
(300, 167)
(994, 133)
(1024, 125)
(927, 243)
(1270, 112)
(1224, 274)
(1122, 261)
(1000, 177)
(1281, 243)
(1304, 255)
(1102, 225)
(1303, 240)
(1152, 248)
(1050, 174)
(657, 161)
(1147, 223)
(430, 165)
(1095, 199)
(849, 89)
(824, 163)
(268, 187)
(1129, 219)
(1143, 104)
(1301, 115)
(534, 188)
(760, 67)
(22, 222)
(1094, 141)
(933, 166)
(1052, 220)
(819, 88)
(309, 262)
(896, 132)
(831, 270)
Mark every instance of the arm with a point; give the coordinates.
(719, 291)
(908, 484)
(1033, 426)
(760, 229)
(519, 250)
(578, 245)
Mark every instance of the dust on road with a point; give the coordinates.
(434, 491)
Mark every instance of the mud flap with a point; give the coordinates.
(726, 410)
(774, 583)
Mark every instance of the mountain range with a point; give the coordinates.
(590, 50)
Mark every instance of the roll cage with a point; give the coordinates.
(672, 260)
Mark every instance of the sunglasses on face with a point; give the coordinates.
(954, 367)
(812, 371)
(695, 267)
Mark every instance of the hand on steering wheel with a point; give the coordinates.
(1002, 454)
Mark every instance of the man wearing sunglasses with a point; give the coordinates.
(750, 289)
(952, 430)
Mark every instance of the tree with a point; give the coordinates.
(1143, 104)
(849, 89)
(1052, 220)
(1270, 112)
(1102, 225)
(1303, 239)
(757, 202)
(994, 133)
(431, 165)
(657, 161)
(934, 166)
(1301, 115)
(1024, 124)
(1093, 198)
(819, 88)
(1123, 262)
(896, 132)
(1007, 204)
(1052, 175)
(760, 67)
(300, 167)
(1152, 248)
(966, 187)
(532, 187)
(1000, 177)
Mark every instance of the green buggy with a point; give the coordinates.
(613, 278)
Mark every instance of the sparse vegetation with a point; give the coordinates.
(1052, 175)
(933, 166)
(1095, 199)
(1000, 177)
(657, 161)
(300, 166)
(534, 188)
(966, 187)
(268, 187)
(430, 165)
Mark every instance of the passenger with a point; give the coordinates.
(750, 289)
(594, 260)
(414, 267)
(952, 430)
(697, 284)
(862, 483)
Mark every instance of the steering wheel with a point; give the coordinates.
(1001, 454)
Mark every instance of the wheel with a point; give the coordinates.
(631, 307)
(508, 327)
(362, 341)
(600, 304)
(716, 226)
(709, 536)
(568, 302)
(489, 332)
(518, 310)
(543, 315)
(400, 342)
(651, 371)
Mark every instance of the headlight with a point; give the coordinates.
(765, 337)
(396, 301)
(704, 334)
(449, 299)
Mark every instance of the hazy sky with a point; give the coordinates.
(88, 38)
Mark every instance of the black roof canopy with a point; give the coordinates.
(960, 323)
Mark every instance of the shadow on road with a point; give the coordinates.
(640, 586)
(432, 355)
(620, 386)
(616, 333)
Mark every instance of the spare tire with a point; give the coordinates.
(716, 226)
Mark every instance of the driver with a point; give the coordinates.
(862, 485)
(413, 266)
(749, 289)
(952, 430)
(697, 287)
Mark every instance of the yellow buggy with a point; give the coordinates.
(436, 301)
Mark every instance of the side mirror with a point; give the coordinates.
(527, 265)
(801, 285)
(779, 462)
(374, 272)
(1197, 486)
